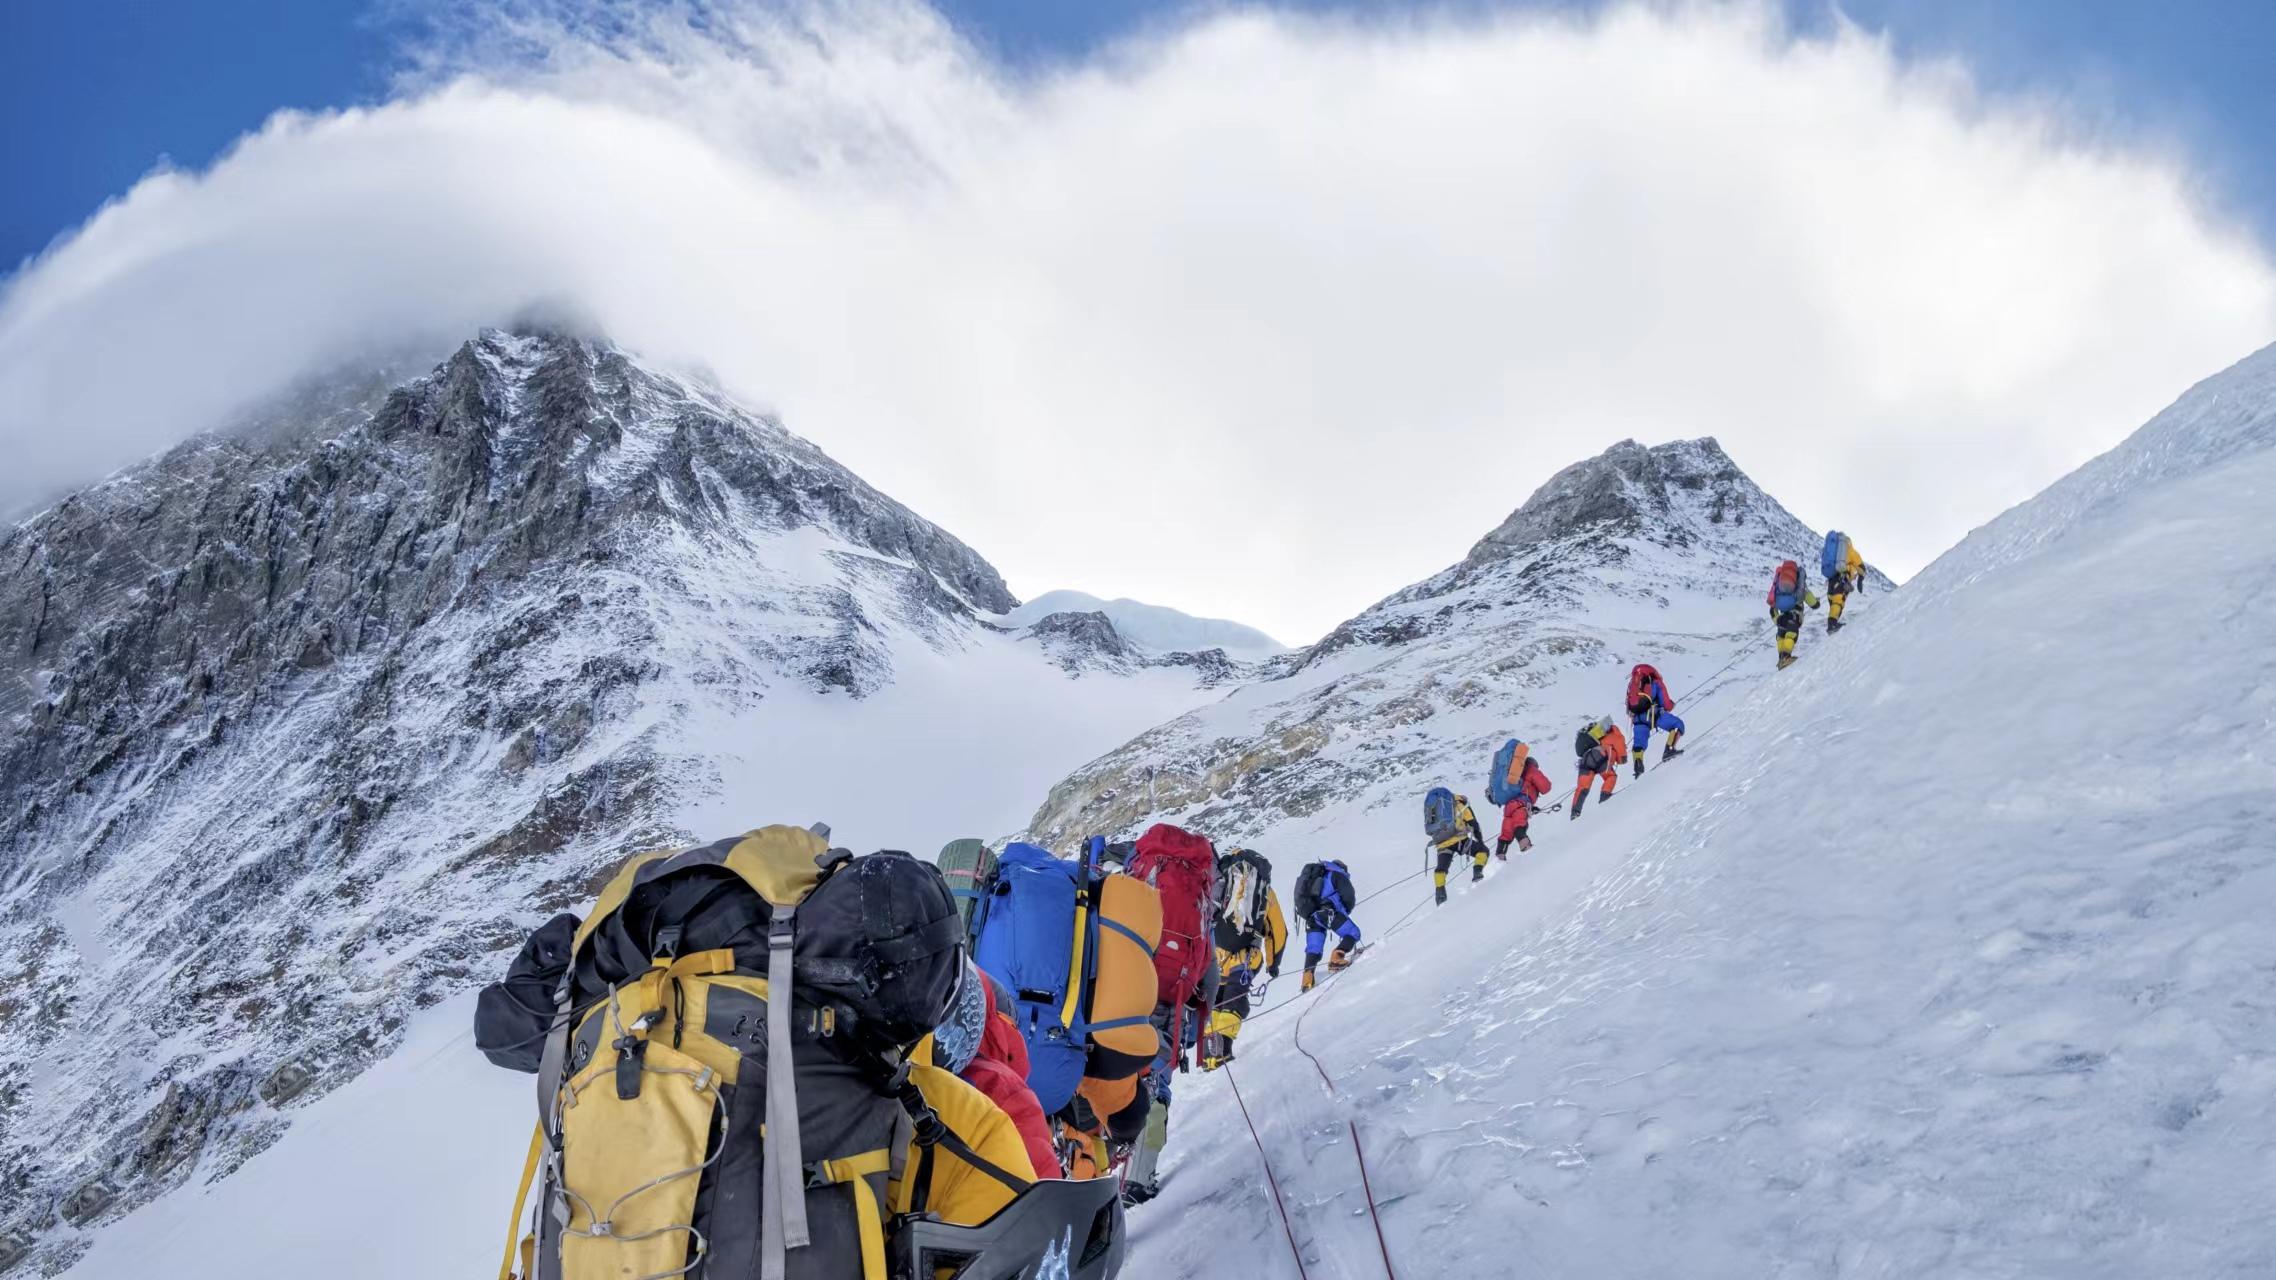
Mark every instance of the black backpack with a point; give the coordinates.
(1308, 883)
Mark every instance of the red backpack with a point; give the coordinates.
(1182, 867)
(1640, 681)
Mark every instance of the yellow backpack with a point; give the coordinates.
(665, 1145)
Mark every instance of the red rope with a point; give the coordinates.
(1368, 1188)
(1274, 1183)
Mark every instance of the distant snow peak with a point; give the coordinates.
(1152, 627)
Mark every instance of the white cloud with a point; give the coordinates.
(1204, 319)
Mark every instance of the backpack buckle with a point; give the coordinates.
(631, 1058)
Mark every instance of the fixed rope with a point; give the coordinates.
(1270, 1180)
(1358, 1152)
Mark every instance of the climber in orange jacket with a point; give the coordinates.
(1600, 746)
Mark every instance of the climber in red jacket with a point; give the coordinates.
(996, 1065)
(1517, 815)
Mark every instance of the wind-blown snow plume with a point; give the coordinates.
(1214, 267)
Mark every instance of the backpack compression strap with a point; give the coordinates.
(853, 1171)
(782, 1194)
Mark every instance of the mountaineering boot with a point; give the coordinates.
(1525, 844)
(1501, 850)
(1339, 960)
(1312, 980)
(1477, 872)
(1441, 892)
(1578, 801)
(1785, 660)
(1639, 764)
(1668, 753)
(1832, 625)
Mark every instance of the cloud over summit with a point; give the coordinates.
(1258, 316)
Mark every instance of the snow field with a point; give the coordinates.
(1945, 955)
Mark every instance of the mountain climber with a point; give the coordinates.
(1789, 592)
(1844, 571)
(1249, 938)
(646, 1011)
(1074, 944)
(1181, 869)
(1459, 838)
(1517, 813)
(1599, 747)
(1324, 901)
(982, 1045)
(1650, 707)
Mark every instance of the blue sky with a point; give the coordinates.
(96, 92)
(1263, 248)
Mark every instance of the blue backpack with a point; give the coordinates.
(1786, 596)
(1024, 937)
(1835, 557)
(1507, 781)
(1438, 816)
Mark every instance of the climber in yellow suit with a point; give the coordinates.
(1850, 578)
(1252, 958)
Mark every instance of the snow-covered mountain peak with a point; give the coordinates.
(1630, 489)
(304, 721)
(1156, 628)
(1656, 554)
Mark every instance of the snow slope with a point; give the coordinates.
(1153, 626)
(1944, 954)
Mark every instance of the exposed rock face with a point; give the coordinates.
(302, 724)
(1657, 554)
(1080, 638)
(1626, 490)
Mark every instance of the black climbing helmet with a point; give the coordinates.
(1055, 1229)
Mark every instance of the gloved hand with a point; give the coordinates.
(1272, 970)
(1533, 808)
